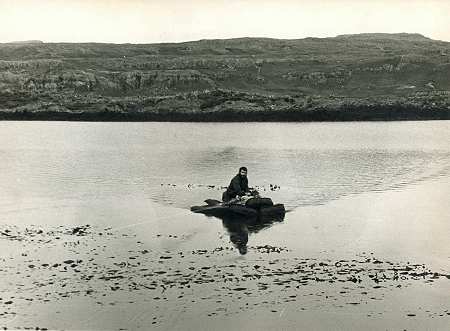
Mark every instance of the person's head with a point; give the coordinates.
(243, 171)
(242, 249)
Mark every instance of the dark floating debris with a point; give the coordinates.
(190, 186)
(271, 272)
(269, 249)
(239, 289)
(80, 230)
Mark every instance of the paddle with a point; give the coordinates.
(212, 202)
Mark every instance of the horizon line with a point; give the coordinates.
(39, 41)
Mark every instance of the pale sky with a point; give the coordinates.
(149, 21)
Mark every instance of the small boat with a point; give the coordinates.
(253, 207)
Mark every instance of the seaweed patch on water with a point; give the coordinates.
(86, 266)
(40, 235)
(193, 186)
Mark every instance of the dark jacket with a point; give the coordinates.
(238, 186)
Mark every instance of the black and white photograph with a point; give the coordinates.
(225, 165)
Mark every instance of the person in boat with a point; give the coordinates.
(238, 186)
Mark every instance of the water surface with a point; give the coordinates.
(370, 195)
(181, 164)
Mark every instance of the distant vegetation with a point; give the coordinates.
(349, 77)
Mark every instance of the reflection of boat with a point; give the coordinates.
(254, 207)
(243, 216)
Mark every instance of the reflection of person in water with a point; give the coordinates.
(239, 229)
(238, 232)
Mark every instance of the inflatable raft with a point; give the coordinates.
(254, 207)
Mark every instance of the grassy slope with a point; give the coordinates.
(352, 77)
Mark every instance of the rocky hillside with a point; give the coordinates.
(349, 77)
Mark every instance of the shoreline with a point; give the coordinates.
(322, 115)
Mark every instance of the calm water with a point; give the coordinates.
(354, 191)
(181, 164)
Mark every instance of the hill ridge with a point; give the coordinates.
(399, 76)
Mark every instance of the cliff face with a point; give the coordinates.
(353, 77)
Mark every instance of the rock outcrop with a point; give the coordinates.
(351, 77)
